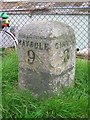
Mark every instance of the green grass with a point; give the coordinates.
(0, 85)
(72, 103)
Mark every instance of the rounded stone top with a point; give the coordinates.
(46, 29)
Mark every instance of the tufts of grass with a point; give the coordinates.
(71, 103)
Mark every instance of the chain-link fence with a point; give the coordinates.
(75, 14)
(42, 66)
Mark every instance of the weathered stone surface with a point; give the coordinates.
(46, 52)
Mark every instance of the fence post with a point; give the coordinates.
(46, 52)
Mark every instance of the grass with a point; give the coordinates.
(72, 103)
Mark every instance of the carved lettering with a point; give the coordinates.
(56, 46)
(40, 46)
(27, 43)
(46, 46)
(43, 45)
(36, 45)
(31, 56)
(23, 43)
(31, 44)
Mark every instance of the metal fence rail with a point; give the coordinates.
(75, 14)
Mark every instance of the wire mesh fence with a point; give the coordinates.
(40, 56)
(75, 14)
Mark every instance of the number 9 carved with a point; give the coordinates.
(31, 56)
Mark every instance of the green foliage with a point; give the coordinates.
(71, 103)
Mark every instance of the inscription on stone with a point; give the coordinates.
(31, 56)
(45, 46)
(46, 59)
(35, 45)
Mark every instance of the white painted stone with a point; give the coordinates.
(46, 52)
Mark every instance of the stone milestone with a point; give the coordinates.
(46, 53)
